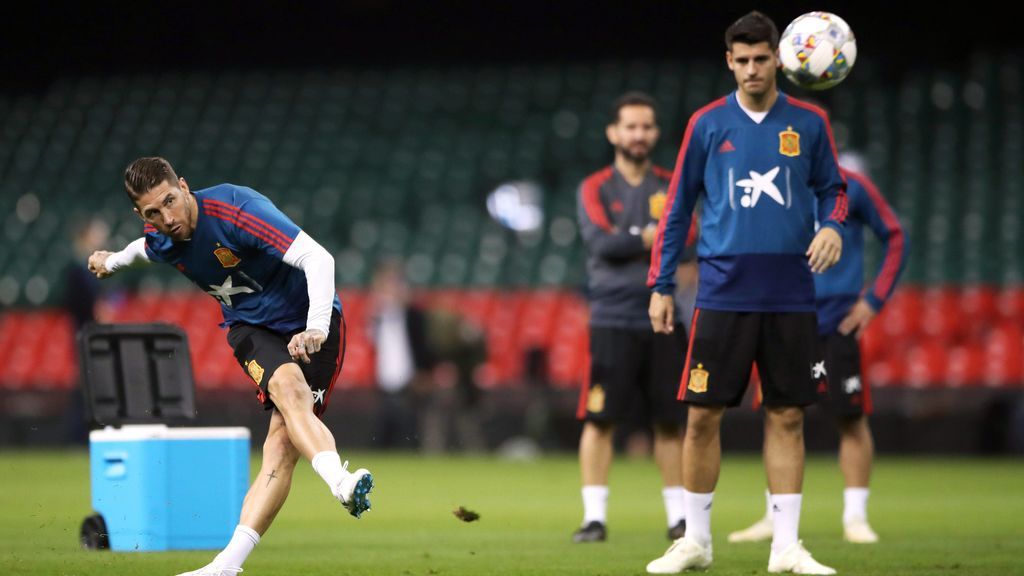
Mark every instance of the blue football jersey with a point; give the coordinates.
(839, 287)
(762, 186)
(236, 255)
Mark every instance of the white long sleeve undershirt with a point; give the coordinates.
(318, 265)
(132, 253)
(305, 254)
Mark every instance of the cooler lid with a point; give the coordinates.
(136, 373)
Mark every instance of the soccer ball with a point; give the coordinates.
(817, 50)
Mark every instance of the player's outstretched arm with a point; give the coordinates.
(825, 249)
(103, 263)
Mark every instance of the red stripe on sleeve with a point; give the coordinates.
(840, 209)
(233, 219)
(253, 220)
(659, 238)
(592, 198)
(894, 254)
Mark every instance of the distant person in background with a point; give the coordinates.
(845, 309)
(404, 358)
(275, 285)
(618, 210)
(81, 295)
(460, 349)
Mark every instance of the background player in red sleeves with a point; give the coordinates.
(275, 285)
(845, 309)
(618, 209)
(764, 166)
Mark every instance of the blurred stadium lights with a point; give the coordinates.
(517, 205)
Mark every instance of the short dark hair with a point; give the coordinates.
(144, 174)
(752, 28)
(632, 98)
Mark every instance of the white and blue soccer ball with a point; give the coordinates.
(817, 50)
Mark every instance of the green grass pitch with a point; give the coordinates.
(935, 517)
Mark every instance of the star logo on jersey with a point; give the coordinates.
(656, 204)
(760, 185)
(595, 399)
(818, 370)
(226, 257)
(789, 142)
(318, 396)
(225, 291)
(698, 379)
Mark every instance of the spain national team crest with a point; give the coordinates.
(789, 142)
(698, 380)
(226, 257)
(255, 370)
(595, 399)
(657, 204)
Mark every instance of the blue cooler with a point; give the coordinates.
(160, 488)
(157, 483)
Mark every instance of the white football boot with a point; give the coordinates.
(211, 570)
(796, 560)
(354, 490)
(759, 531)
(683, 554)
(858, 531)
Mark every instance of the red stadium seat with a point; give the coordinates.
(925, 364)
(939, 317)
(965, 366)
(1003, 355)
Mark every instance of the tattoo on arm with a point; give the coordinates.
(271, 476)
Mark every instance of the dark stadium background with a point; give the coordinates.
(44, 43)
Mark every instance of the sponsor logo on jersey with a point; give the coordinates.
(595, 399)
(726, 147)
(789, 142)
(226, 257)
(255, 370)
(760, 185)
(698, 379)
(656, 203)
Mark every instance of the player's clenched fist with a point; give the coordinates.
(98, 263)
(305, 343)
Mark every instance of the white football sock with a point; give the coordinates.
(238, 549)
(698, 516)
(785, 520)
(595, 504)
(855, 504)
(328, 466)
(768, 504)
(675, 504)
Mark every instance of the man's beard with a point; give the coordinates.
(639, 158)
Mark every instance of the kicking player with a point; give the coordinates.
(275, 286)
(618, 210)
(844, 311)
(764, 165)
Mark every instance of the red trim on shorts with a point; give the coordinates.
(337, 364)
(689, 351)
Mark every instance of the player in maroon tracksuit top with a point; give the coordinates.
(618, 211)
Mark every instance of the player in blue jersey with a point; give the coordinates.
(275, 286)
(845, 309)
(764, 167)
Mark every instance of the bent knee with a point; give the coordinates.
(288, 389)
